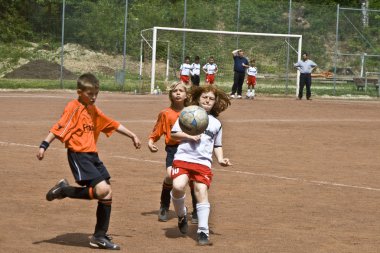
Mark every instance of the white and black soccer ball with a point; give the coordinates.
(193, 120)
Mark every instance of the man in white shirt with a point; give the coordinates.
(305, 66)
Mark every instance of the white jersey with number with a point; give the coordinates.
(200, 152)
(210, 68)
(252, 71)
(185, 69)
(196, 69)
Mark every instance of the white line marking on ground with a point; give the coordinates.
(314, 182)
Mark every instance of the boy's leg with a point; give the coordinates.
(103, 215)
(167, 186)
(178, 199)
(194, 215)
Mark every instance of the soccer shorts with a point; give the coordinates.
(87, 168)
(196, 172)
(195, 80)
(185, 79)
(251, 80)
(210, 78)
(170, 152)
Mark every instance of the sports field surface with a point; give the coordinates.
(306, 178)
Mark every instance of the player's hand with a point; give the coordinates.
(152, 147)
(225, 162)
(136, 142)
(196, 138)
(40, 154)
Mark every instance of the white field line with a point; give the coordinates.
(314, 182)
(150, 121)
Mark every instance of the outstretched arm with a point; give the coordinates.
(235, 52)
(44, 146)
(219, 156)
(124, 131)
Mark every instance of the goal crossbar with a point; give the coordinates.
(156, 28)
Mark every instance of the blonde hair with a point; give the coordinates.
(171, 89)
(87, 81)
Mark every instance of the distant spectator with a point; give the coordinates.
(305, 66)
(240, 64)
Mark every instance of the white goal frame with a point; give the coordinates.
(154, 45)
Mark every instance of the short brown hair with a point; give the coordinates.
(221, 99)
(86, 81)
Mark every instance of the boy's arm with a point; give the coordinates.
(218, 151)
(124, 131)
(235, 52)
(44, 145)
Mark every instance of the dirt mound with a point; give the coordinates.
(40, 69)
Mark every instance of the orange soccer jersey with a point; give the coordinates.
(79, 127)
(164, 124)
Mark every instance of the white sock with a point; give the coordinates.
(179, 205)
(203, 211)
(253, 93)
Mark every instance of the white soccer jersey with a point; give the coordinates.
(305, 67)
(200, 152)
(252, 71)
(196, 69)
(185, 69)
(210, 68)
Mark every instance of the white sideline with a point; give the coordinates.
(314, 182)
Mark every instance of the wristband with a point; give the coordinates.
(44, 145)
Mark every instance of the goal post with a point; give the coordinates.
(220, 44)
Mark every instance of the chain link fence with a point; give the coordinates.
(343, 42)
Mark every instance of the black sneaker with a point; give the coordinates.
(103, 243)
(56, 191)
(203, 240)
(182, 224)
(163, 214)
(194, 217)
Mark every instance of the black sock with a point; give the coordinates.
(103, 215)
(165, 194)
(194, 200)
(78, 192)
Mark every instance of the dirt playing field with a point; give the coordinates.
(305, 178)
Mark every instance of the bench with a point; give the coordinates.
(360, 82)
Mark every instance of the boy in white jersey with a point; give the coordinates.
(184, 70)
(251, 79)
(210, 70)
(192, 161)
(195, 71)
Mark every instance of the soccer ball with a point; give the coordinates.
(193, 120)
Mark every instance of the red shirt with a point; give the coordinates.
(79, 126)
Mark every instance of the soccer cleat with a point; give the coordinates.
(182, 224)
(203, 240)
(239, 97)
(194, 218)
(103, 243)
(56, 192)
(163, 214)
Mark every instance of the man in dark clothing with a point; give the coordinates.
(240, 64)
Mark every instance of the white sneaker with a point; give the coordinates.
(249, 94)
(239, 96)
(232, 96)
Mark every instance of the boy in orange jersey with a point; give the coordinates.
(79, 128)
(165, 121)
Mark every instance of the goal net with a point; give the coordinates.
(163, 50)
